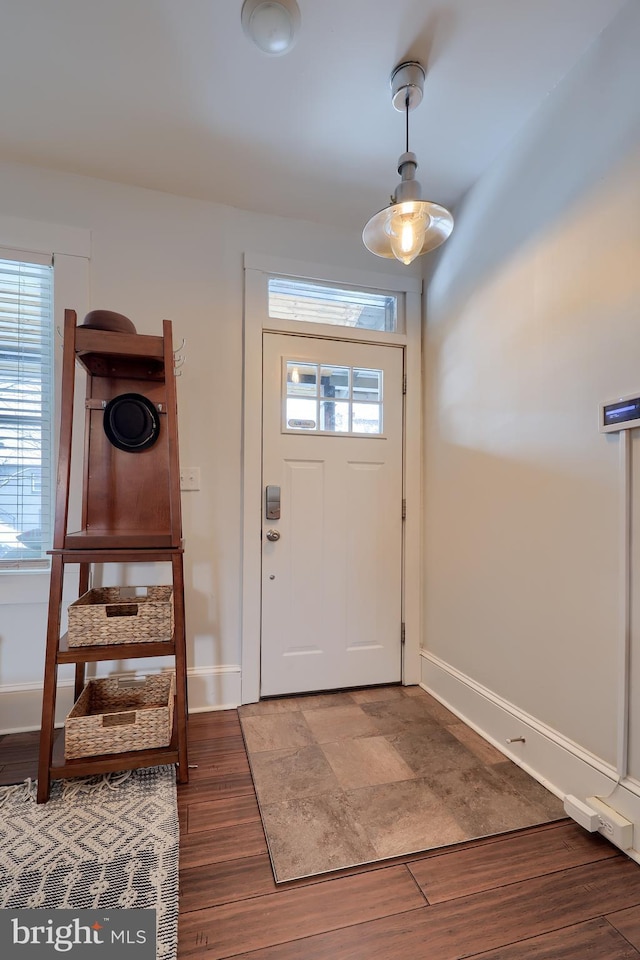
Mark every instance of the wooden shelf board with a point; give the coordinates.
(113, 343)
(113, 651)
(62, 769)
(117, 540)
(83, 553)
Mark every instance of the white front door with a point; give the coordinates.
(332, 561)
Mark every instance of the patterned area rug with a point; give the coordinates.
(107, 842)
(350, 778)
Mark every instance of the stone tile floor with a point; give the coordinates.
(362, 775)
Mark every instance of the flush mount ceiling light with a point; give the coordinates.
(409, 226)
(272, 25)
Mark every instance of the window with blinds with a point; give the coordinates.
(26, 406)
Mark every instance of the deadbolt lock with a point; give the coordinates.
(273, 535)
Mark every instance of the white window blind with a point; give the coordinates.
(26, 402)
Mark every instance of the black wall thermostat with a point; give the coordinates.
(621, 414)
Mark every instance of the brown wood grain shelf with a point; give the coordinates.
(82, 553)
(117, 540)
(114, 343)
(62, 769)
(113, 651)
(106, 353)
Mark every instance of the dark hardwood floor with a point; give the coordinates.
(546, 893)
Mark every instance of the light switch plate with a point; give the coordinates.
(190, 478)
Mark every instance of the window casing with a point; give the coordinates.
(26, 408)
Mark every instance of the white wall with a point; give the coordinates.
(153, 256)
(532, 320)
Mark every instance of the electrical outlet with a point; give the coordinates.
(190, 478)
(612, 824)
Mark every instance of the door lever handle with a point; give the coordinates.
(273, 535)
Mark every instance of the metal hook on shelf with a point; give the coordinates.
(177, 362)
(180, 347)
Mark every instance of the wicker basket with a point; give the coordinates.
(121, 615)
(116, 715)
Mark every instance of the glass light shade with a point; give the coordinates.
(406, 229)
(377, 235)
(271, 25)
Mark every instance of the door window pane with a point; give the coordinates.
(334, 382)
(301, 414)
(302, 379)
(367, 384)
(367, 418)
(334, 416)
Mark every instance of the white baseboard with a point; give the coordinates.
(214, 688)
(21, 706)
(210, 688)
(562, 766)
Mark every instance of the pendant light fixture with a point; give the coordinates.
(409, 226)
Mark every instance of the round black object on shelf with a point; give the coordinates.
(131, 422)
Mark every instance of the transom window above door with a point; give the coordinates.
(313, 302)
(321, 399)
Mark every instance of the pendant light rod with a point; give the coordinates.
(406, 114)
(409, 226)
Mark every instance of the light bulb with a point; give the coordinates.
(406, 228)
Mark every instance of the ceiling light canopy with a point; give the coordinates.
(272, 25)
(409, 226)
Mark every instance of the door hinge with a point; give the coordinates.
(404, 383)
(402, 637)
(404, 509)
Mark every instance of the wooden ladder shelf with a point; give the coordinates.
(130, 514)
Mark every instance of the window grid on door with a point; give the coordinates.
(331, 399)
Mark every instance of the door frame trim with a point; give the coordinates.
(256, 322)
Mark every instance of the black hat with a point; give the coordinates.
(131, 422)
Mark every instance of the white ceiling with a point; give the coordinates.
(170, 94)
